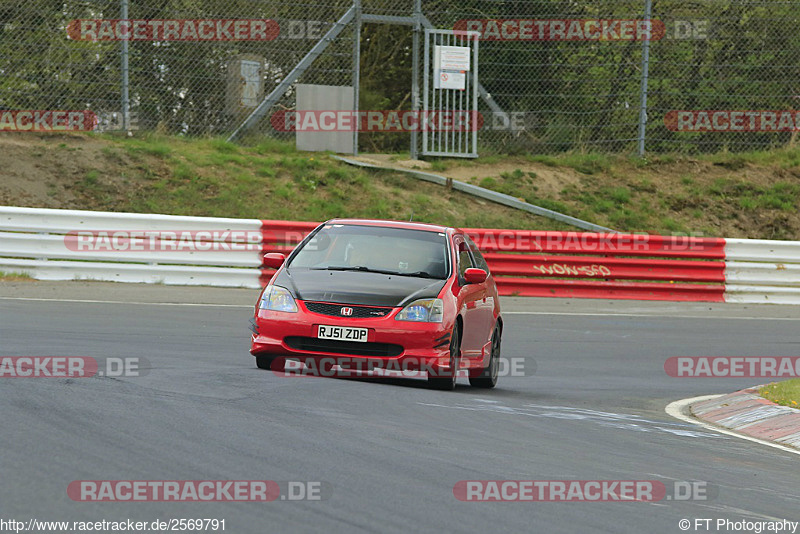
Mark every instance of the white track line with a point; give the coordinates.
(678, 408)
(130, 302)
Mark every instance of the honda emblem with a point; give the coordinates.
(346, 311)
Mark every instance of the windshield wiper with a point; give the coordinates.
(419, 274)
(359, 268)
(364, 269)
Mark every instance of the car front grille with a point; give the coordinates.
(357, 312)
(343, 347)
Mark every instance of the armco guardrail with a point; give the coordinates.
(127, 247)
(54, 244)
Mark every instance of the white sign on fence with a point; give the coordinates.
(452, 80)
(450, 64)
(454, 58)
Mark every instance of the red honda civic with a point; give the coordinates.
(366, 295)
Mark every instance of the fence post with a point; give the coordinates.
(126, 105)
(415, 74)
(356, 70)
(645, 71)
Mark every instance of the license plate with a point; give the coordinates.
(342, 333)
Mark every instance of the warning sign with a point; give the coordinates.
(452, 80)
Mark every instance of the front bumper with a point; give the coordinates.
(390, 343)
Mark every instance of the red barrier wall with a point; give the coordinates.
(577, 264)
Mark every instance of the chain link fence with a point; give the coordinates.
(570, 75)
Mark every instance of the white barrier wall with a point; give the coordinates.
(762, 271)
(62, 221)
(51, 244)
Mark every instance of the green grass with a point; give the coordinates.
(785, 393)
(782, 196)
(488, 183)
(760, 157)
(620, 195)
(90, 180)
(594, 163)
(583, 162)
(151, 145)
(439, 165)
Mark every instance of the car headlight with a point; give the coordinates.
(277, 298)
(423, 310)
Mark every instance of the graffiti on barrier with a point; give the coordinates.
(563, 269)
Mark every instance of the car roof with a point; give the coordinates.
(395, 224)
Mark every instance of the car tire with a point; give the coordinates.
(488, 376)
(448, 382)
(265, 361)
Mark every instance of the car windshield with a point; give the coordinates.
(348, 247)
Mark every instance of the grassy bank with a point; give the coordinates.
(753, 195)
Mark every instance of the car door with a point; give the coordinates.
(486, 305)
(471, 298)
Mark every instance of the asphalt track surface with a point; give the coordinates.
(389, 450)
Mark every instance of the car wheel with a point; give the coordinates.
(446, 380)
(266, 361)
(488, 376)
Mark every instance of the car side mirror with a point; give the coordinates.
(475, 276)
(274, 259)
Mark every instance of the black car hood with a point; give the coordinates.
(353, 287)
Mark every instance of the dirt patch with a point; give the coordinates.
(69, 171)
(550, 180)
(9, 278)
(387, 160)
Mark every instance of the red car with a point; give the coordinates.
(366, 294)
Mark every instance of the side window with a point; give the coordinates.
(464, 258)
(480, 262)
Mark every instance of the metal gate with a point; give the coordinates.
(450, 120)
